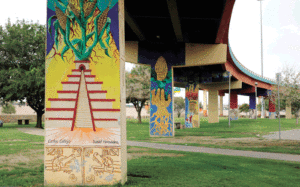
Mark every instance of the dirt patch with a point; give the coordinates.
(256, 142)
(136, 149)
(16, 140)
(27, 159)
(138, 155)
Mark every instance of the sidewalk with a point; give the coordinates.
(230, 152)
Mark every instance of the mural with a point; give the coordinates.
(82, 91)
(161, 114)
(192, 106)
(161, 57)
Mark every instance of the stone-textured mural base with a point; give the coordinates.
(82, 165)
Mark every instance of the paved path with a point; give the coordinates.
(231, 152)
(285, 135)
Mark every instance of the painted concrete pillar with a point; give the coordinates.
(85, 141)
(234, 111)
(161, 57)
(205, 103)
(288, 110)
(272, 109)
(221, 105)
(252, 106)
(213, 105)
(191, 106)
(258, 111)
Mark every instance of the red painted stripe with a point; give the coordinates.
(105, 110)
(62, 99)
(73, 75)
(78, 70)
(90, 75)
(82, 61)
(60, 109)
(67, 91)
(94, 82)
(105, 119)
(103, 100)
(93, 91)
(59, 118)
(70, 82)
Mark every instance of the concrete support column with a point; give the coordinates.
(234, 111)
(288, 110)
(191, 106)
(252, 106)
(221, 105)
(272, 109)
(213, 115)
(204, 103)
(85, 138)
(259, 111)
(161, 100)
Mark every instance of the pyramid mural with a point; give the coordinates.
(82, 103)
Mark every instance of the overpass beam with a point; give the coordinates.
(234, 111)
(272, 109)
(192, 106)
(252, 106)
(213, 105)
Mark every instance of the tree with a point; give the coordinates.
(22, 62)
(8, 108)
(289, 90)
(244, 108)
(179, 105)
(138, 87)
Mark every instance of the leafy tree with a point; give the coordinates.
(289, 90)
(244, 108)
(138, 87)
(22, 62)
(179, 105)
(8, 108)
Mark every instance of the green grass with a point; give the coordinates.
(239, 129)
(192, 169)
(13, 141)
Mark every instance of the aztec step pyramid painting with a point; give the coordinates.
(82, 103)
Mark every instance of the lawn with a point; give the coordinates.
(244, 134)
(21, 164)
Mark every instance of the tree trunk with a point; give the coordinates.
(139, 116)
(39, 120)
(297, 120)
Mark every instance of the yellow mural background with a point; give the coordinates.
(106, 69)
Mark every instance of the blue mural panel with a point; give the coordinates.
(161, 58)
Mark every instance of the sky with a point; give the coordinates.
(281, 33)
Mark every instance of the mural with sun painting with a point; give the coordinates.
(82, 79)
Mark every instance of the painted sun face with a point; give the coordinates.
(161, 68)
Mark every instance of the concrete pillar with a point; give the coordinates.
(213, 115)
(259, 111)
(85, 147)
(161, 99)
(221, 105)
(272, 109)
(288, 110)
(252, 106)
(191, 106)
(234, 111)
(205, 103)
